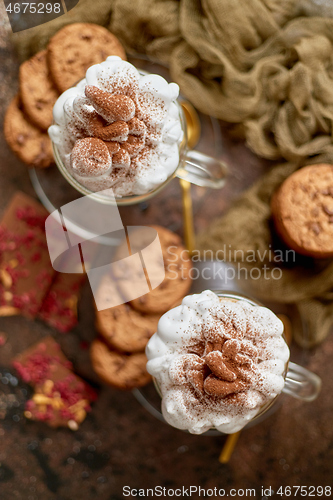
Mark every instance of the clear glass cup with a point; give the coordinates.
(299, 382)
(194, 166)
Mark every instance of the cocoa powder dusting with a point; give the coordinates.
(221, 366)
(114, 122)
(90, 157)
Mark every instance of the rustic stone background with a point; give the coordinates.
(120, 443)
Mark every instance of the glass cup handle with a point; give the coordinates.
(301, 383)
(202, 170)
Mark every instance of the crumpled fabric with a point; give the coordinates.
(265, 66)
(246, 230)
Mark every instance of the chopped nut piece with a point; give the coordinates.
(79, 405)
(80, 415)
(8, 311)
(72, 425)
(5, 278)
(48, 386)
(57, 403)
(41, 399)
(8, 296)
(71, 303)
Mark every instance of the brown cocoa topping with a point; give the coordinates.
(90, 157)
(111, 107)
(216, 364)
(197, 349)
(196, 379)
(121, 159)
(113, 121)
(117, 131)
(221, 368)
(134, 145)
(213, 346)
(217, 387)
(137, 127)
(113, 147)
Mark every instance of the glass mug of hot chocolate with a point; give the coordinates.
(124, 130)
(220, 361)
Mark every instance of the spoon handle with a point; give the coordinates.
(189, 236)
(228, 447)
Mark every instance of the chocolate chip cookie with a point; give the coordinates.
(120, 370)
(177, 280)
(302, 210)
(29, 143)
(38, 93)
(75, 48)
(126, 329)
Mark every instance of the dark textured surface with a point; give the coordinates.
(120, 443)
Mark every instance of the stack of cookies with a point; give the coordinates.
(70, 52)
(118, 355)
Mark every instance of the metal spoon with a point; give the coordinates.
(193, 135)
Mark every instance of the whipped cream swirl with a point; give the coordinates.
(118, 129)
(217, 361)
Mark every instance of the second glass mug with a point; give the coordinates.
(193, 166)
(299, 382)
